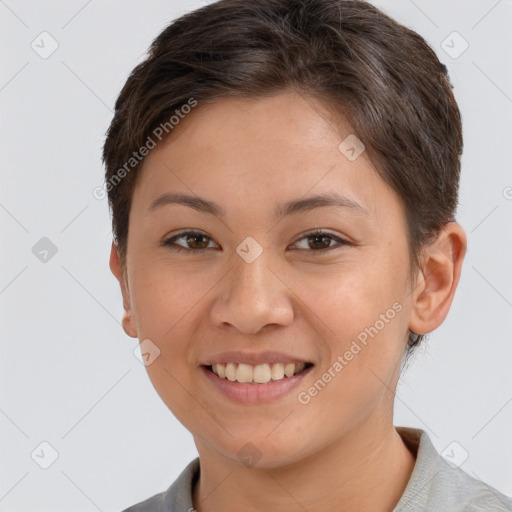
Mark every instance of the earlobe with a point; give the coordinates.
(438, 279)
(128, 322)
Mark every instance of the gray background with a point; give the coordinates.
(68, 373)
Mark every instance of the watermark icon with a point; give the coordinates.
(44, 455)
(455, 454)
(454, 45)
(507, 193)
(249, 455)
(351, 147)
(146, 352)
(44, 250)
(249, 249)
(304, 397)
(44, 45)
(157, 135)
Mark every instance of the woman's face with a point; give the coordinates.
(253, 286)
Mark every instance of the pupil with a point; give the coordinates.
(316, 239)
(194, 239)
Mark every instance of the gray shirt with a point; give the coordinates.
(434, 486)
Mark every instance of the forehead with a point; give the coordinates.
(240, 150)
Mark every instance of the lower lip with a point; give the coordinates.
(255, 393)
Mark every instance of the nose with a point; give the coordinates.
(252, 296)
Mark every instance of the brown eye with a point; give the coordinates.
(196, 240)
(193, 241)
(320, 242)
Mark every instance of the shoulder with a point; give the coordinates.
(177, 497)
(455, 487)
(153, 504)
(435, 484)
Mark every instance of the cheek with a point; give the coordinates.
(166, 307)
(165, 298)
(352, 298)
(167, 304)
(365, 310)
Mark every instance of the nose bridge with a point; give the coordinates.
(252, 296)
(252, 279)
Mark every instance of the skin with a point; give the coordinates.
(248, 155)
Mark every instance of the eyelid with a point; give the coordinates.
(168, 241)
(319, 231)
(323, 232)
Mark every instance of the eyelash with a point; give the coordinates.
(342, 242)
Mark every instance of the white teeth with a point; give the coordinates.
(231, 371)
(262, 373)
(244, 373)
(289, 369)
(277, 371)
(259, 374)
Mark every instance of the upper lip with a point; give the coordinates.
(253, 358)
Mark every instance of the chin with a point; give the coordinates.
(259, 452)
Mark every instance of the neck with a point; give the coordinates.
(361, 471)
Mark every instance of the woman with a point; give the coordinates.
(283, 179)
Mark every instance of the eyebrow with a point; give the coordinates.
(281, 210)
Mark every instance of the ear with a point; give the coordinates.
(438, 279)
(129, 325)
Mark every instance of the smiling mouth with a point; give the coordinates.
(257, 374)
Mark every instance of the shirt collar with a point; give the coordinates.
(178, 497)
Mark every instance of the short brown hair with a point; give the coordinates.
(384, 77)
